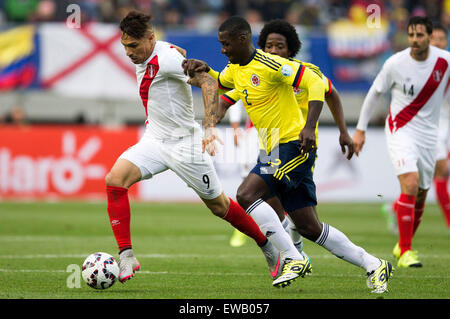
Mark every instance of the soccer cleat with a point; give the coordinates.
(377, 279)
(306, 257)
(409, 259)
(238, 239)
(273, 259)
(396, 251)
(391, 217)
(128, 265)
(292, 269)
(299, 246)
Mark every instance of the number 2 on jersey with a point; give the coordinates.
(246, 96)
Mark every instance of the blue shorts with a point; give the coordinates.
(289, 175)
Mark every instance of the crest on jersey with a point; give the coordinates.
(437, 75)
(255, 80)
(151, 70)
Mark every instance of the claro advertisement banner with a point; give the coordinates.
(59, 161)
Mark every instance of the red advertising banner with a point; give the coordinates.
(60, 161)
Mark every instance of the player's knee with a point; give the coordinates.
(411, 188)
(112, 179)
(409, 183)
(310, 231)
(243, 198)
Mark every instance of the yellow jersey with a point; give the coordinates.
(265, 85)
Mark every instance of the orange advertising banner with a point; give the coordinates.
(60, 162)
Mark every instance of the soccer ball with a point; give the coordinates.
(100, 270)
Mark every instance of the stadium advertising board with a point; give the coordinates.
(59, 161)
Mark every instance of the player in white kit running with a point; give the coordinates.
(172, 140)
(440, 179)
(416, 78)
(439, 39)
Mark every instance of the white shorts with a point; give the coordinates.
(442, 144)
(406, 156)
(184, 157)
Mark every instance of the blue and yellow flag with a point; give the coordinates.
(19, 60)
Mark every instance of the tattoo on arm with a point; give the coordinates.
(210, 99)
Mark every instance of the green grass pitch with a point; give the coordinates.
(184, 253)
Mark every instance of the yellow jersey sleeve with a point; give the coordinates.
(314, 84)
(300, 76)
(213, 73)
(225, 78)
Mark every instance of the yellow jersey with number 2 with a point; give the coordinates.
(265, 85)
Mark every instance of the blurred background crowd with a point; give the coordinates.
(208, 14)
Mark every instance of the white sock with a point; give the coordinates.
(339, 245)
(295, 235)
(270, 225)
(290, 228)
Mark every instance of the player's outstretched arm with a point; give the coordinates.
(367, 109)
(210, 102)
(335, 105)
(307, 136)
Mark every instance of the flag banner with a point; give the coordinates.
(88, 61)
(19, 58)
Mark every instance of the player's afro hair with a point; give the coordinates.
(136, 24)
(284, 28)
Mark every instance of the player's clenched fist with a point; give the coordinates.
(190, 66)
(307, 138)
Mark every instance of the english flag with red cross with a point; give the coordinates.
(88, 61)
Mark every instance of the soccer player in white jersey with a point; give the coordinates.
(440, 179)
(416, 78)
(439, 39)
(172, 140)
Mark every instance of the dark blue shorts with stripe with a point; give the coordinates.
(289, 175)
